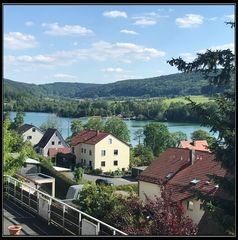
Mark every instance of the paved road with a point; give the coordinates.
(116, 181)
(31, 225)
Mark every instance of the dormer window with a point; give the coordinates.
(169, 175)
(195, 181)
(33, 129)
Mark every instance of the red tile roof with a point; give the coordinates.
(89, 137)
(53, 151)
(177, 160)
(201, 145)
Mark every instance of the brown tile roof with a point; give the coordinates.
(53, 151)
(89, 137)
(180, 183)
(201, 145)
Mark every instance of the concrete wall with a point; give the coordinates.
(195, 213)
(36, 136)
(150, 189)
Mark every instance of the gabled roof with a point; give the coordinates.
(47, 136)
(25, 127)
(201, 145)
(89, 137)
(180, 183)
(53, 151)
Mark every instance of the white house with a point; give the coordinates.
(51, 139)
(97, 149)
(30, 133)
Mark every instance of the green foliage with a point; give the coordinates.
(176, 138)
(141, 156)
(78, 174)
(97, 201)
(139, 135)
(76, 127)
(131, 188)
(157, 137)
(118, 128)
(18, 120)
(219, 68)
(95, 123)
(202, 135)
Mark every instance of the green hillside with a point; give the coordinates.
(173, 85)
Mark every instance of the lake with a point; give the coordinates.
(37, 119)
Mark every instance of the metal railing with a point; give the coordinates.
(66, 217)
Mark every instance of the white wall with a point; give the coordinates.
(36, 136)
(150, 189)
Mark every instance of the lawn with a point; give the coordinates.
(195, 98)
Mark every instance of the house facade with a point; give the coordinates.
(181, 171)
(51, 139)
(30, 133)
(100, 150)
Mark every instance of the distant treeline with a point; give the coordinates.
(180, 84)
(150, 109)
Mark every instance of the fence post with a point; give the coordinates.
(63, 217)
(15, 183)
(49, 211)
(98, 228)
(29, 197)
(80, 219)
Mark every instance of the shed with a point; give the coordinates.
(135, 171)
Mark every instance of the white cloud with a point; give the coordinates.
(29, 23)
(230, 46)
(110, 69)
(64, 76)
(213, 18)
(188, 57)
(190, 20)
(17, 41)
(118, 52)
(66, 30)
(129, 32)
(144, 21)
(115, 14)
(230, 17)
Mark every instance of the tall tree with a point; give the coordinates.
(139, 135)
(157, 137)
(52, 122)
(95, 123)
(18, 120)
(202, 135)
(76, 127)
(219, 68)
(176, 138)
(118, 128)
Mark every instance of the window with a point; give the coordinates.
(109, 141)
(59, 142)
(115, 163)
(84, 150)
(29, 137)
(81, 150)
(33, 129)
(115, 152)
(90, 152)
(81, 160)
(103, 152)
(90, 163)
(190, 205)
(84, 161)
(53, 143)
(103, 164)
(72, 149)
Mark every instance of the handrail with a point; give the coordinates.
(67, 205)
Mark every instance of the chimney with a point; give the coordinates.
(192, 156)
(193, 143)
(97, 132)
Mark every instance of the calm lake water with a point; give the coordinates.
(37, 119)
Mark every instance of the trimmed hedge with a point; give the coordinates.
(62, 183)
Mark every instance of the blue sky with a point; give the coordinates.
(107, 43)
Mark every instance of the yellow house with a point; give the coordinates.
(181, 171)
(97, 150)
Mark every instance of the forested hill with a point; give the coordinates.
(162, 86)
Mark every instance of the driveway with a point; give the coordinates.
(116, 181)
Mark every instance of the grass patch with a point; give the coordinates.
(196, 98)
(127, 188)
